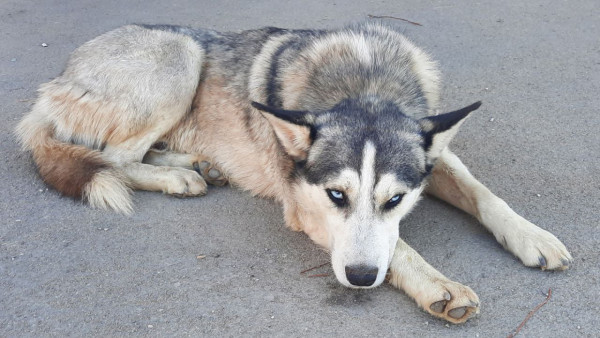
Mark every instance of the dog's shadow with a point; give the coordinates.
(340, 295)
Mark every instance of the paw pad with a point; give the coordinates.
(210, 174)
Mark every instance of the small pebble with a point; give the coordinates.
(538, 195)
(13, 60)
(150, 326)
(44, 44)
(492, 119)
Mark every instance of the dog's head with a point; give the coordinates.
(360, 168)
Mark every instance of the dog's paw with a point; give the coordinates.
(535, 246)
(451, 301)
(210, 173)
(184, 183)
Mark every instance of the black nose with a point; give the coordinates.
(361, 275)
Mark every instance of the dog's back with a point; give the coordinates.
(126, 89)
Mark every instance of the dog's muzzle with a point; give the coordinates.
(361, 275)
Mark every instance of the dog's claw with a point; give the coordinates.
(438, 306)
(543, 263)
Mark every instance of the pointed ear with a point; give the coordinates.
(294, 129)
(440, 129)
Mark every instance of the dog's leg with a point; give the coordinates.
(204, 166)
(452, 182)
(128, 155)
(431, 290)
(174, 181)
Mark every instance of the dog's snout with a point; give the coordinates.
(361, 275)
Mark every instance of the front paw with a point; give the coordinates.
(451, 301)
(535, 246)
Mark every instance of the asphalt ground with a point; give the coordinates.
(225, 265)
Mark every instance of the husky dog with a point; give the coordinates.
(340, 127)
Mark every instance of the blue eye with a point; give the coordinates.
(336, 197)
(392, 202)
(337, 194)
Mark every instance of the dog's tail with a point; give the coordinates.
(73, 170)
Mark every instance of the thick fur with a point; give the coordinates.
(341, 127)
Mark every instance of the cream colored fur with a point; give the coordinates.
(110, 189)
(453, 183)
(411, 273)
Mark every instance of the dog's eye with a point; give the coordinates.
(392, 202)
(337, 197)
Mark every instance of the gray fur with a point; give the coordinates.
(389, 76)
(355, 100)
(372, 101)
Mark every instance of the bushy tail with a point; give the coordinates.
(74, 170)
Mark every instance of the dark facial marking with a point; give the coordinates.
(341, 135)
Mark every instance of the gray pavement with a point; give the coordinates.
(69, 270)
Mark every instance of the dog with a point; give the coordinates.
(341, 127)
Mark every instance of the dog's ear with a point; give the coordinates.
(294, 129)
(440, 129)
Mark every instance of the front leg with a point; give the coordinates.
(431, 290)
(452, 182)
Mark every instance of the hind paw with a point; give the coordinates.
(184, 183)
(451, 301)
(159, 155)
(210, 173)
